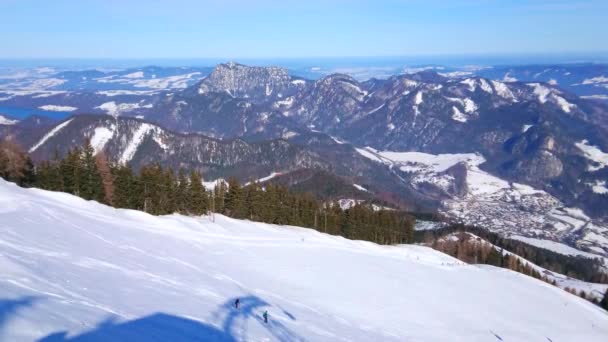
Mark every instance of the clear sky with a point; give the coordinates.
(305, 28)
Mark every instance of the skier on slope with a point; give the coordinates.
(265, 315)
(237, 302)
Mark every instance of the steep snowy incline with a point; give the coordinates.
(79, 271)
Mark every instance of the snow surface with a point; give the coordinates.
(594, 290)
(420, 161)
(260, 180)
(6, 121)
(554, 246)
(111, 93)
(595, 80)
(137, 74)
(82, 271)
(359, 187)
(545, 93)
(50, 135)
(210, 186)
(115, 109)
(503, 90)
(458, 115)
(594, 154)
(55, 108)
(599, 187)
(101, 136)
(136, 140)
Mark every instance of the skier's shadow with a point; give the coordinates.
(164, 327)
(236, 320)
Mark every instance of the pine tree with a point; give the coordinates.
(234, 199)
(181, 196)
(103, 166)
(71, 172)
(91, 185)
(197, 195)
(168, 200)
(124, 188)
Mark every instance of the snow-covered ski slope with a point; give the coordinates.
(73, 270)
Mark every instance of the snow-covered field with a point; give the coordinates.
(74, 270)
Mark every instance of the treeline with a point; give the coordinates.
(159, 191)
(473, 249)
(578, 267)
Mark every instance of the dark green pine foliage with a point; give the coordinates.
(181, 192)
(124, 188)
(91, 185)
(219, 197)
(197, 194)
(70, 169)
(234, 205)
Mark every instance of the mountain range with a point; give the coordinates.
(524, 158)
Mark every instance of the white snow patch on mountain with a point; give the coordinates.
(540, 91)
(265, 179)
(376, 109)
(599, 187)
(111, 93)
(469, 105)
(545, 93)
(6, 121)
(596, 80)
(116, 109)
(286, 103)
(418, 99)
(455, 74)
(563, 104)
(101, 136)
(554, 246)
(68, 264)
(485, 86)
(54, 108)
(503, 90)
(137, 74)
(594, 154)
(45, 83)
(138, 137)
(419, 161)
(359, 187)
(471, 83)
(458, 115)
(298, 82)
(50, 134)
(595, 97)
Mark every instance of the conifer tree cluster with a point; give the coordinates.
(77, 173)
(160, 191)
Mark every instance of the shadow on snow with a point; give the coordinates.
(166, 327)
(9, 308)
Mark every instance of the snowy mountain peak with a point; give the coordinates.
(252, 82)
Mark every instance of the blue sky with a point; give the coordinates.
(306, 28)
